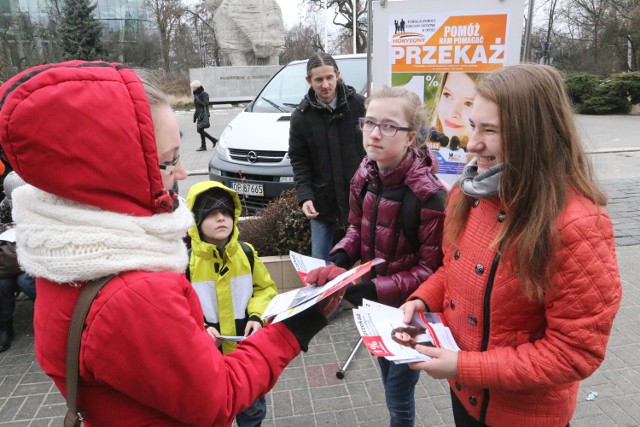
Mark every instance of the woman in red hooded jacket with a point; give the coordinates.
(529, 284)
(100, 151)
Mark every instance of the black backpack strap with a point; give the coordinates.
(437, 201)
(410, 215)
(248, 252)
(363, 192)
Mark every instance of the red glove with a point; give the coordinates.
(322, 275)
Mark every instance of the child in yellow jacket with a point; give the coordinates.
(232, 283)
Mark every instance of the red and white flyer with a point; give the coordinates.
(385, 334)
(295, 301)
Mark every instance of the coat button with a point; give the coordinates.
(452, 304)
(479, 269)
(501, 217)
(458, 386)
(473, 401)
(476, 202)
(456, 255)
(472, 320)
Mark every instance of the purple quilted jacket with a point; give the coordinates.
(374, 230)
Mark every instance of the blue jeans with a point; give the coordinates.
(399, 383)
(254, 415)
(8, 289)
(322, 238)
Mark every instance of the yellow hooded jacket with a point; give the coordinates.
(227, 289)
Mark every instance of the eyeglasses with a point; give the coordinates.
(171, 165)
(386, 129)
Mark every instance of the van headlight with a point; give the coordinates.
(221, 147)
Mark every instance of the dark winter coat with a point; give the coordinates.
(201, 103)
(325, 148)
(375, 231)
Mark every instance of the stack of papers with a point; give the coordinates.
(385, 334)
(293, 302)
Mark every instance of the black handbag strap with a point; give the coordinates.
(89, 292)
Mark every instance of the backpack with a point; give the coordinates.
(409, 221)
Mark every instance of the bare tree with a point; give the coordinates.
(547, 42)
(343, 17)
(205, 39)
(300, 42)
(166, 16)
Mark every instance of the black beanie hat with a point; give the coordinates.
(215, 198)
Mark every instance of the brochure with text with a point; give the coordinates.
(295, 301)
(386, 335)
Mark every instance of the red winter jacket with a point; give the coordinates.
(145, 358)
(375, 224)
(521, 360)
(140, 324)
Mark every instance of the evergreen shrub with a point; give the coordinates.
(279, 227)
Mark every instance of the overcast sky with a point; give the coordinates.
(290, 12)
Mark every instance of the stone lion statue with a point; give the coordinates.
(250, 32)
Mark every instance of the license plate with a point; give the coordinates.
(248, 189)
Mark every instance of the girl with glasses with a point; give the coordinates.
(393, 172)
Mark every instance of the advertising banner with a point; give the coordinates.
(439, 50)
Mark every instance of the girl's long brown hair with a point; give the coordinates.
(543, 161)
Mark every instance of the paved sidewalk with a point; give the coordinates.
(309, 394)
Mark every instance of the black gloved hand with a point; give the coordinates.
(306, 325)
(356, 293)
(341, 259)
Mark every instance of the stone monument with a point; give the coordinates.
(249, 32)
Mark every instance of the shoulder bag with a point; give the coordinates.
(9, 266)
(88, 294)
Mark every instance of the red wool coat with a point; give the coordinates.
(139, 324)
(521, 361)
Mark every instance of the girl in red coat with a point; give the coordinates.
(530, 283)
(100, 166)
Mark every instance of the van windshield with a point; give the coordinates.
(284, 92)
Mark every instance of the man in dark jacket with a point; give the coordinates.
(325, 148)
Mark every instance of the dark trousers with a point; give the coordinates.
(460, 415)
(203, 135)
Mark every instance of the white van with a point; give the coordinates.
(251, 154)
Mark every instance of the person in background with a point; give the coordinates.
(234, 287)
(392, 168)
(325, 149)
(21, 282)
(530, 283)
(108, 208)
(201, 116)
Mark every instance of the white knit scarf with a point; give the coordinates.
(66, 241)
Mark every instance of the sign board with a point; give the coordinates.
(438, 49)
(233, 84)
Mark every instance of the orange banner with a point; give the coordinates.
(474, 43)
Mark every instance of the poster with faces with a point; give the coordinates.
(439, 50)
